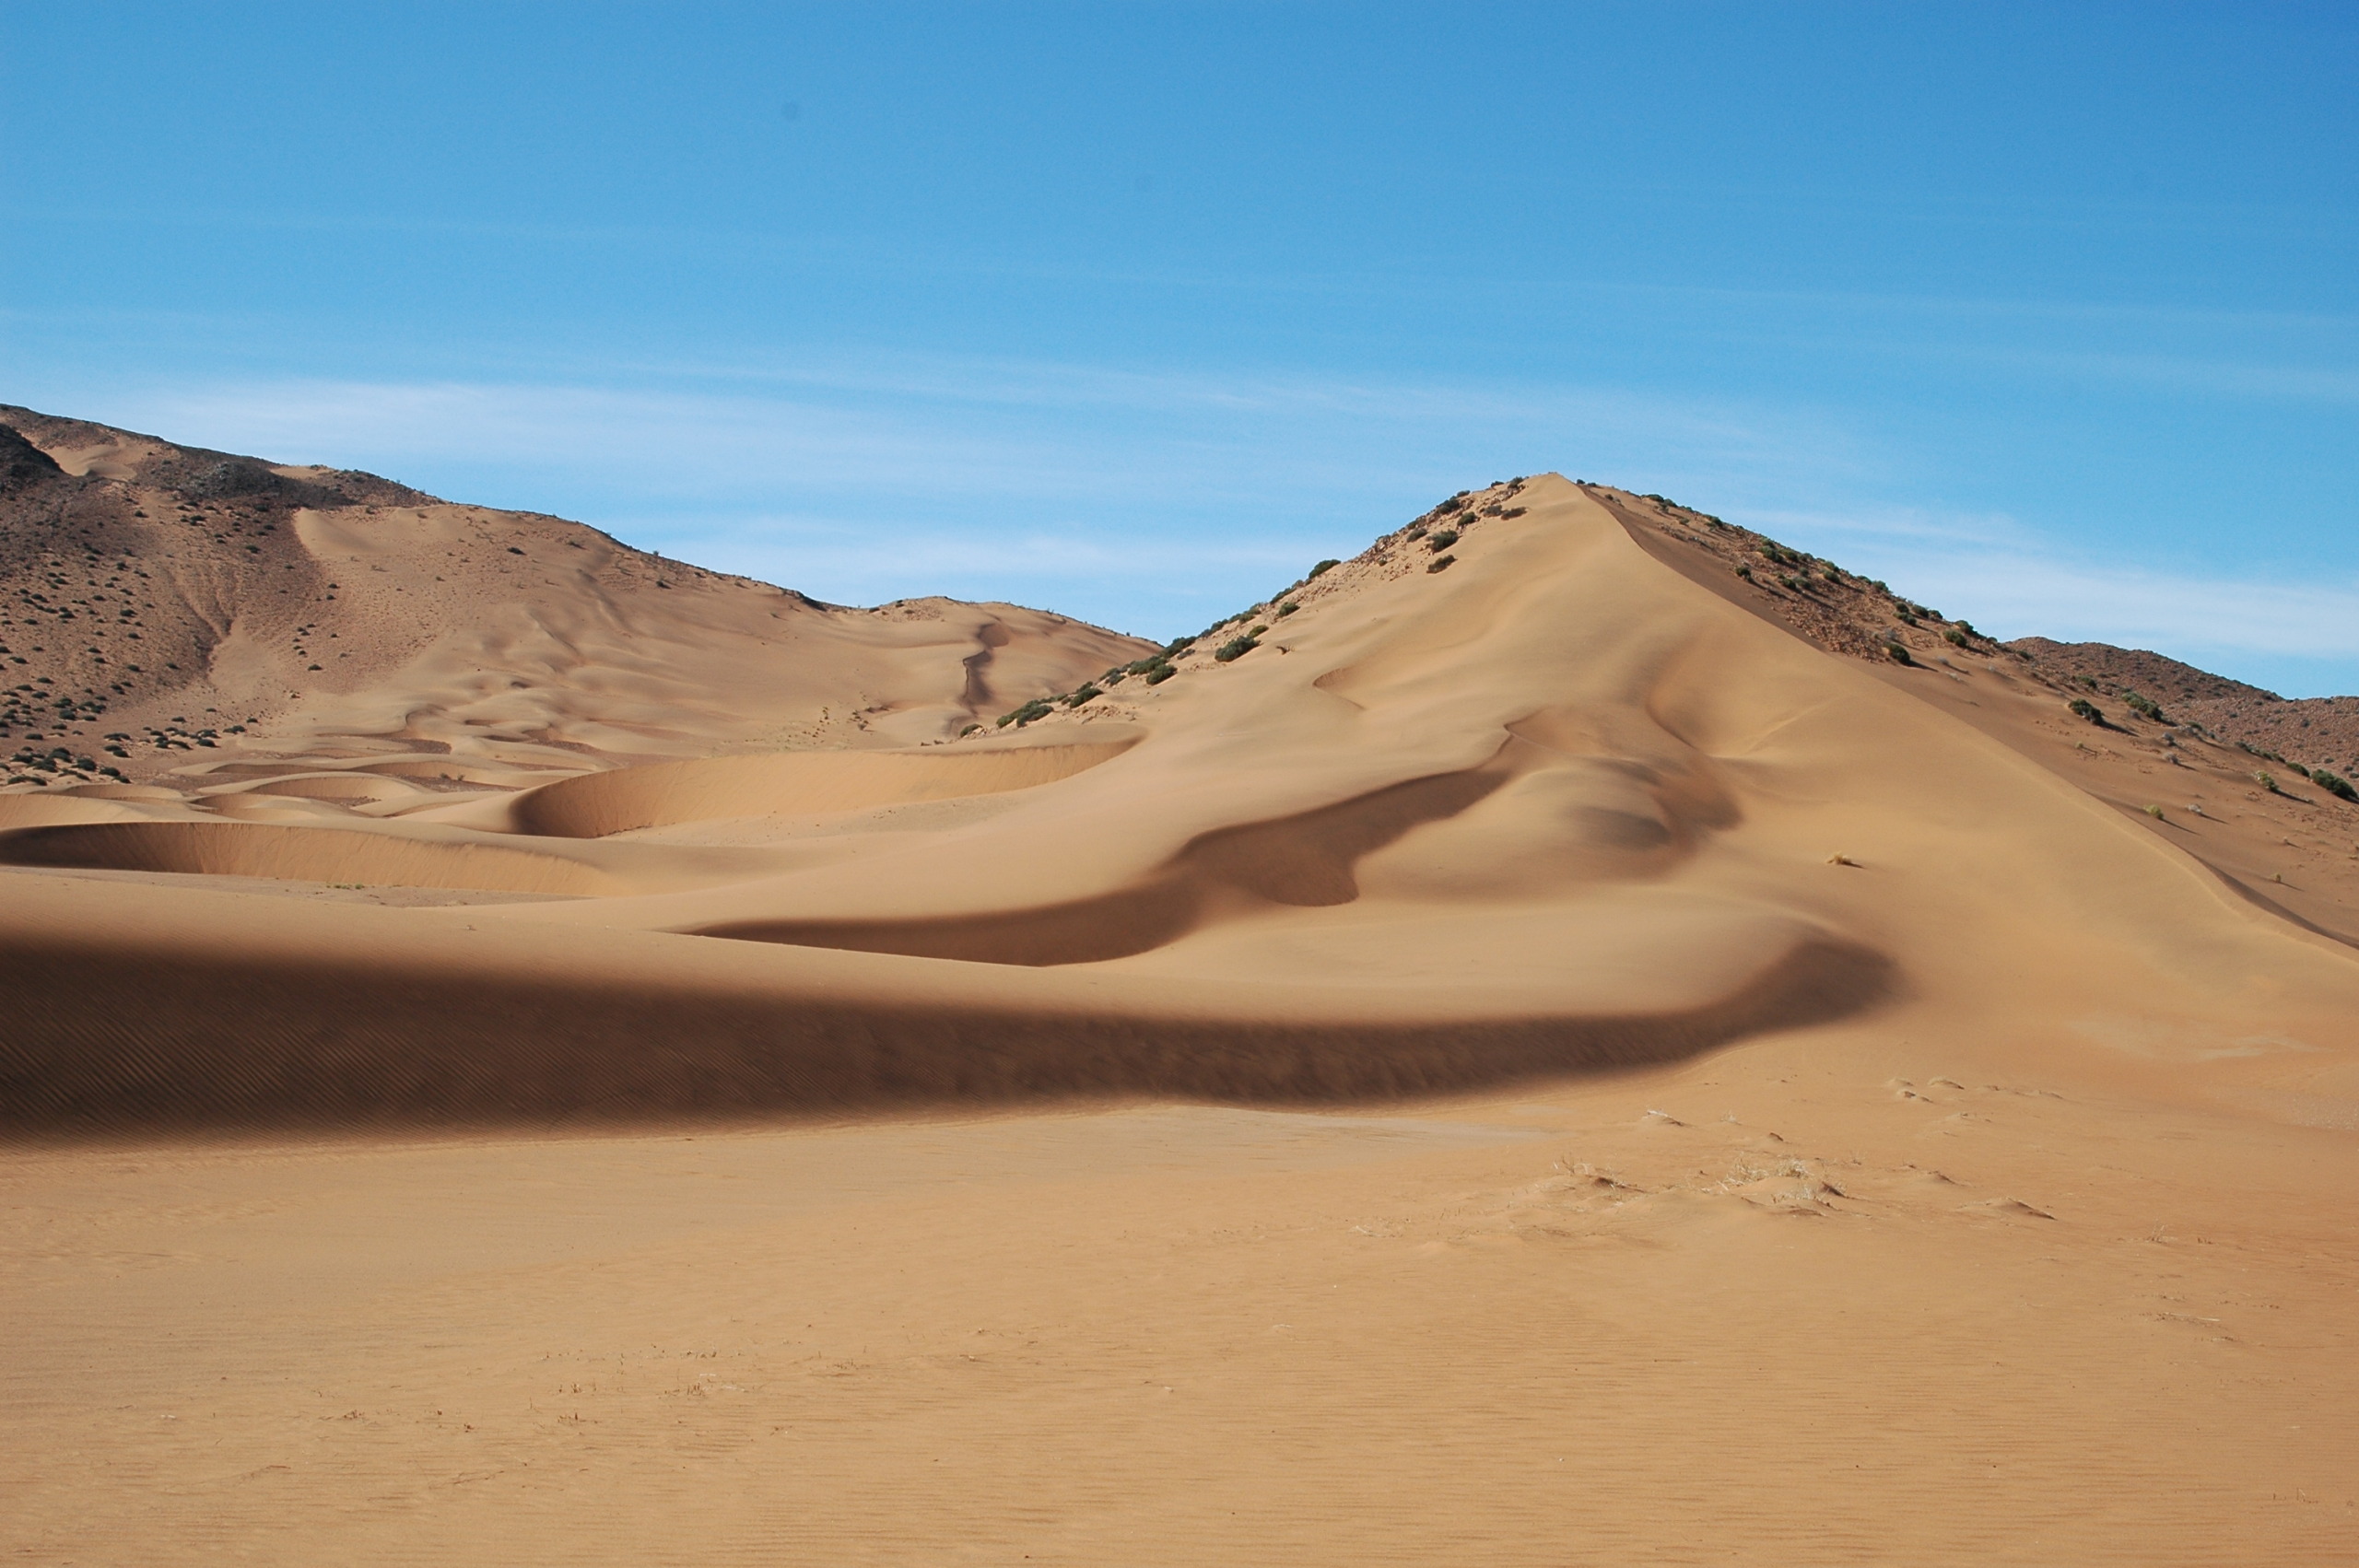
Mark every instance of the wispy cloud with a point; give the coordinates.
(2010, 581)
(803, 437)
(1143, 498)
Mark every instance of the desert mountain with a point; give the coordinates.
(172, 612)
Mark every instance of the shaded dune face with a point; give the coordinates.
(304, 854)
(457, 1046)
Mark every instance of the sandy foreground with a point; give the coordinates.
(1537, 1060)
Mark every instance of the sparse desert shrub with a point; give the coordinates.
(1288, 608)
(1442, 563)
(2266, 781)
(1088, 693)
(1954, 637)
(2154, 812)
(1236, 647)
(1159, 674)
(1036, 708)
(1514, 512)
(1745, 572)
(1147, 665)
(1897, 653)
(2333, 784)
(968, 730)
(2147, 706)
(2082, 708)
(1323, 567)
(1793, 583)
(1442, 541)
(1906, 615)
(1415, 530)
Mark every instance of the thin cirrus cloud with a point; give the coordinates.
(1144, 499)
(2006, 579)
(970, 428)
(972, 444)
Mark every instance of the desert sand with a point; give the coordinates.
(1550, 1051)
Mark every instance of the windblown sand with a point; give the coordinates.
(1544, 1060)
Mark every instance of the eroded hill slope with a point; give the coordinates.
(172, 615)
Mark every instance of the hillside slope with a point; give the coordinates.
(2316, 731)
(169, 613)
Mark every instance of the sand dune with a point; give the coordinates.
(1778, 1098)
(1556, 793)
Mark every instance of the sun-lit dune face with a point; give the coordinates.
(790, 784)
(356, 786)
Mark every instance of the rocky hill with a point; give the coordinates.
(168, 608)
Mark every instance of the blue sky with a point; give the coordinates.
(2048, 315)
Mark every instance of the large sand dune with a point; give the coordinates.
(1778, 1101)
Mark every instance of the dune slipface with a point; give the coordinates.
(1743, 1000)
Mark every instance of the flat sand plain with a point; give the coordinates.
(1533, 1062)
